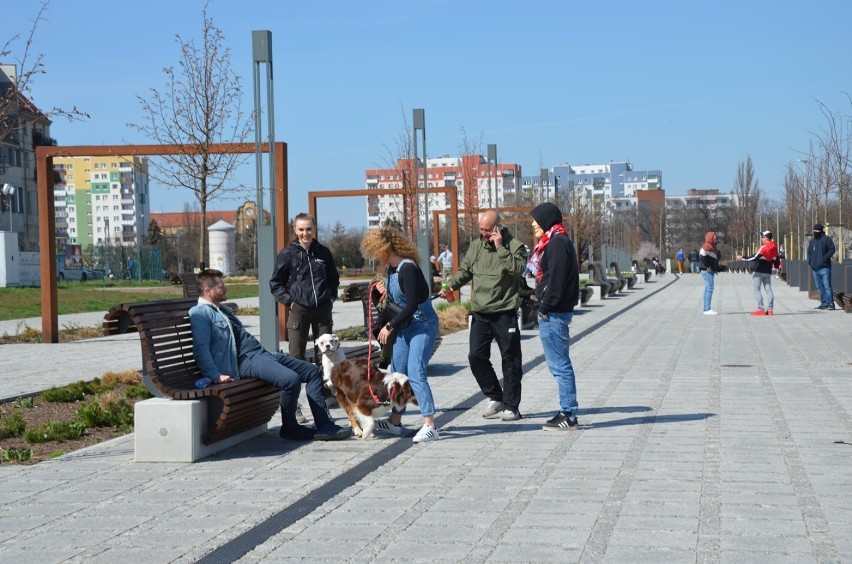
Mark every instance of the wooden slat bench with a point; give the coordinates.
(166, 340)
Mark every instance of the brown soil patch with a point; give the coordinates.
(43, 412)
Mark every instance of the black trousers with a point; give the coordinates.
(502, 327)
(303, 319)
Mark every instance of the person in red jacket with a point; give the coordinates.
(764, 260)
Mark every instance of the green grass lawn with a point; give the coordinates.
(75, 297)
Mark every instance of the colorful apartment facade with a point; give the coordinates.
(101, 201)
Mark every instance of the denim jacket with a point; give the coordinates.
(213, 343)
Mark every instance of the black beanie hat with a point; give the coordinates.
(819, 227)
(546, 215)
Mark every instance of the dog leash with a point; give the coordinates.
(370, 350)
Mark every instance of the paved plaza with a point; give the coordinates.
(701, 439)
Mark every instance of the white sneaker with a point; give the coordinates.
(426, 433)
(710, 312)
(300, 418)
(492, 411)
(387, 427)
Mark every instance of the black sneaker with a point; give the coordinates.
(562, 422)
(831, 307)
(298, 433)
(332, 433)
(821, 306)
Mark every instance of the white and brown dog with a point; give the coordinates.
(329, 347)
(366, 394)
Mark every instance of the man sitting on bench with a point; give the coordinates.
(225, 351)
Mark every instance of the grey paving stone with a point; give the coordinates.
(684, 459)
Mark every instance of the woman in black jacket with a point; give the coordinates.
(306, 279)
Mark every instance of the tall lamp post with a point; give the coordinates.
(266, 251)
(492, 158)
(419, 122)
(8, 191)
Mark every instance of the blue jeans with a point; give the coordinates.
(556, 342)
(411, 353)
(760, 280)
(709, 279)
(288, 373)
(822, 279)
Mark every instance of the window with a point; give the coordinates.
(69, 167)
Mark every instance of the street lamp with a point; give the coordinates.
(492, 158)
(8, 191)
(419, 123)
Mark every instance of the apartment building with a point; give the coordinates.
(479, 184)
(101, 201)
(23, 127)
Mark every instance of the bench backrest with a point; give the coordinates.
(598, 274)
(190, 285)
(614, 265)
(166, 340)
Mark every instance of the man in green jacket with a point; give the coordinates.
(494, 264)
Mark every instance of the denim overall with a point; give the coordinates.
(414, 344)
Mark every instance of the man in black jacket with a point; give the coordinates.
(306, 280)
(820, 250)
(553, 262)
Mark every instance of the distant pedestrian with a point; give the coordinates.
(681, 259)
(446, 260)
(708, 258)
(693, 261)
(764, 259)
(435, 267)
(820, 250)
(554, 264)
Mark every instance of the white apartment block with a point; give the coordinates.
(101, 201)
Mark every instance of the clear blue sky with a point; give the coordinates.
(687, 87)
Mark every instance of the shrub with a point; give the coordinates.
(70, 393)
(109, 413)
(55, 431)
(12, 426)
(138, 392)
(25, 402)
(128, 377)
(16, 454)
(352, 334)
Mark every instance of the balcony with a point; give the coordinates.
(41, 140)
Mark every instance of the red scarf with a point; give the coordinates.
(534, 264)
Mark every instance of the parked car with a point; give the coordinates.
(82, 273)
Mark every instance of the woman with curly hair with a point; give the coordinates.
(416, 324)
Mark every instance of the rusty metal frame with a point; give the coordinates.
(47, 215)
(451, 191)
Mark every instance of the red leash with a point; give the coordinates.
(370, 336)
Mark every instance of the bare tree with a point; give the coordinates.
(471, 151)
(199, 106)
(17, 81)
(402, 160)
(836, 141)
(748, 201)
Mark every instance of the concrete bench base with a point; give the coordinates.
(597, 294)
(168, 430)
